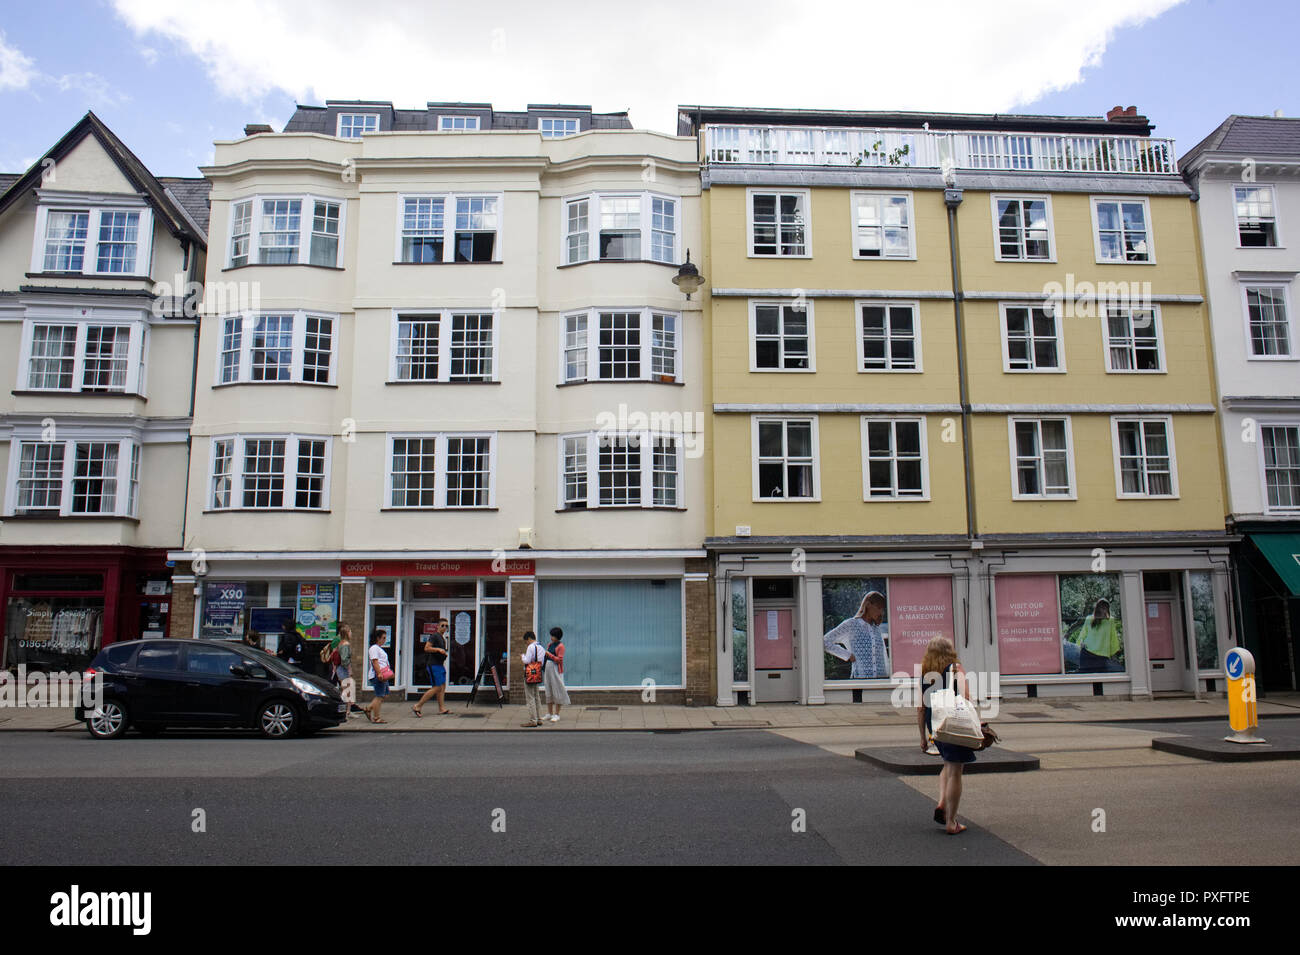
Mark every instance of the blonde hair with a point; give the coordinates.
(874, 597)
(939, 655)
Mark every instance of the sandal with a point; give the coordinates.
(369, 717)
(444, 712)
(416, 711)
(385, 721)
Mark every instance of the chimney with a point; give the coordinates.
(1118, 114)
(252, 129)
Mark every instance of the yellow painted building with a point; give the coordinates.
(961, 386)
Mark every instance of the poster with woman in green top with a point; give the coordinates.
(1100, 644)
(1092, 628)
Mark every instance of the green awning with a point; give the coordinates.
(1283, 552)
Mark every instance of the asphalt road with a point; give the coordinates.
(726, 797)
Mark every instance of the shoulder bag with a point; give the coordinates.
(954, 718)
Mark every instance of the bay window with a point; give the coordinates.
(83, 356)
(620, 469)
(290, 347)
(621, 345)
(636, 227)
(270, 472)
(73, 477)
(285, 230)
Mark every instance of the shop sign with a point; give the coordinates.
(435, 568)
(920, 609)
(1029, 624)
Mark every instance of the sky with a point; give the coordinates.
(169, 77)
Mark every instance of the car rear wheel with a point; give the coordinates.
(107, 721)
(277, 719)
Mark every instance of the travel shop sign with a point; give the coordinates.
(499, 567)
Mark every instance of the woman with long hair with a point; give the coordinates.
(939, 665)
(859, 637)
(377, 669)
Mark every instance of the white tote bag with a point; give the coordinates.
(954, 719)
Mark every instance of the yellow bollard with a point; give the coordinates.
(1242, 715)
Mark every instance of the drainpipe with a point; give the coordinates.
(952, 199)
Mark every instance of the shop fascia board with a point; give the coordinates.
(304, 556)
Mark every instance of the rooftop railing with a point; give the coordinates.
(925, 149)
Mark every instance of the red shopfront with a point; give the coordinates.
(409, 598)
(62, 605)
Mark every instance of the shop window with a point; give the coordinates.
(1059, 624)
(619, 649)
(739, 633)
(494, 589)
(1204, 619)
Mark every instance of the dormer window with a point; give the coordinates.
(554, 127)
(356, 125)
(111, 240)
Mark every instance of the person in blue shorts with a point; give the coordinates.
(436, 645)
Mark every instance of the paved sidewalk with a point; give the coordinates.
(767, 716)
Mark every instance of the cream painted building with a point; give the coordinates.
(101, 265)
(444, 373)
(1245, 178)
(960, 362)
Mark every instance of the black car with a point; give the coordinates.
(153, 684)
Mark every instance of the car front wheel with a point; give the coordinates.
(107, 721)
(277, 719)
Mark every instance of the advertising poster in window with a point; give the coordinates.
(920, 609)
(1092, 633)
(224, 608)
(855, 626)
(1029, 624)
(318, 611)
(1201, 583)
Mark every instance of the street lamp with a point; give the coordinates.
(688, 277)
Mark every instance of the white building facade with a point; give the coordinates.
(444, 374)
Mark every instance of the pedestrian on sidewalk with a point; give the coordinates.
(557, 694)
(379, 673)
(342, 660)
(534, 658)
(436, 645)
(940, 663)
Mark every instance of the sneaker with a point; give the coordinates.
(555, 717)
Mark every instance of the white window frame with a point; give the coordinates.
(126, 493)
(338, 127)
(90, 252)
(1046, 199)
(442, 438)
(646, 345)
(894, 421)
(307, 214)
(1263, 474)
(1016, 495)
(1143, 421)
(883, 195)
(443, 316)
(1156, 324)
(754, 422)
(806, 196)
(1094, 201)
(569, 126)
(136, 358)
(449, 200)
(645, 226)
(445, 127)
(1293, 353)
(781, 305)
(645, 442)
(248, 325)
(289, 471)
(1236, 219)
(1033, 369)
(859, 335)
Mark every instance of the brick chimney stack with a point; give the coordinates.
(1121, 114)
(252, 129)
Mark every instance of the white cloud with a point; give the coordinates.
(976, 55)
(96, 90)
(149, 55)
(17, 70)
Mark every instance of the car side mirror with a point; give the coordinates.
(237, 670)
